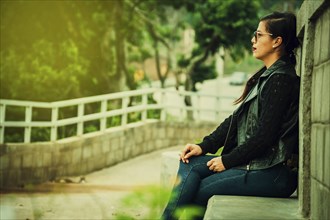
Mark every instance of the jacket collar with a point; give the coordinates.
(282, 61)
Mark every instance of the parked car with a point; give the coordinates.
(238, 78)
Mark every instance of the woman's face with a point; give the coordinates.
(262, 43)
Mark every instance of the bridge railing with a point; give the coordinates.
(104, 112)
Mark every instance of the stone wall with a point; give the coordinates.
(39, 162)
(314, 68)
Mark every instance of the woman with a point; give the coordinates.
(258, 138)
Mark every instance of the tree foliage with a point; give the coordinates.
(227, 24)
(54, 50)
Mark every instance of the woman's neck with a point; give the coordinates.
(271, 59)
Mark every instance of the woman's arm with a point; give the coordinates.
(212, 142)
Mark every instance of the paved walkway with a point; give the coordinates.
(99, 198)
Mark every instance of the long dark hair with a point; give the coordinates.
(279, 24)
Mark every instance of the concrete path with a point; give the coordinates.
(99, 198)
(101, 195)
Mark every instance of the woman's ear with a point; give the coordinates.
(277, 42)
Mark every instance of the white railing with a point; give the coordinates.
(205, 107)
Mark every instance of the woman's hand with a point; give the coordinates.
(190, 150)
(216, 165)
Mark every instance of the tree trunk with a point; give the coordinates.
(161, 76)
(120, 39)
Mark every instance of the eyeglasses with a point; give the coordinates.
(258, 34)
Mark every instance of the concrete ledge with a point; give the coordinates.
(169, 168)
(248, 207)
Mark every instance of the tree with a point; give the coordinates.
(54, 50)
(228, 24)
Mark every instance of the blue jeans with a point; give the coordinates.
(196, 184)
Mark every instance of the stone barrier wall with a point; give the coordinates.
(313, 29)
(22, 164)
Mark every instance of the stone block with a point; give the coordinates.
(38, 159)
(158, 144)
(100, 162)
(317, 151)
(39, 175)
(97, 148)
(87, 152)
(46, 159)
(106, 144)
(4, 162)
(128, 152)
(119, 156)
(114, 144)
(327, 156)
(3, 149)
(137, 150)
(317, 43)
(15, 161)
(13, 177)
(83, 167)
(325, 100)
(110, 159)
(150, 146)
(28, 160)
(76, 155)
(325, 36)
(139, 136)
(317, 94)
(249, 207)
(170, 132)
(122, 142)
(161, 132)
(27, 174)
(147, 134)
(320, 196)
(66, 158)
(166, 142)
(90, 165)
(3, 178)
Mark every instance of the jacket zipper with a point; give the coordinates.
(231, 121)
(246, 172)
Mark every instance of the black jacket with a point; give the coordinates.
(263, 130)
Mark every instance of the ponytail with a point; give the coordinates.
(284, 25)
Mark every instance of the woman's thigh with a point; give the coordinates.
(274, 182)
(198, 165)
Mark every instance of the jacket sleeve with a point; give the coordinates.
(274, 101)
(212, 142)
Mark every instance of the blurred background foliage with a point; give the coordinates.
(57, 50)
